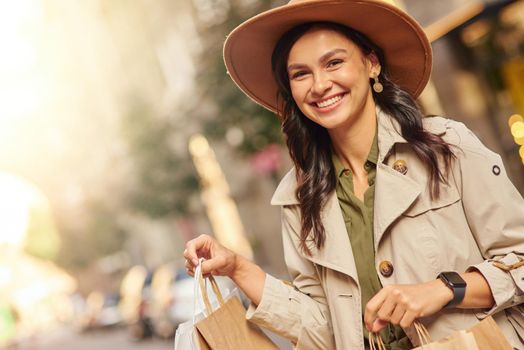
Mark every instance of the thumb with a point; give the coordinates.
(212, 264)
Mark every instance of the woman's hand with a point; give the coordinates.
(403, 304)
(220, 261)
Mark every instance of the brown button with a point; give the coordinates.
(386, 268)
(400, 166)
(347, 172)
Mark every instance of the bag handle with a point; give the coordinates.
(376, 342)
(197, 276)
(422, 332)
(216, 291)
(201, 283)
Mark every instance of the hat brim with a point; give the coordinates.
(248, 48)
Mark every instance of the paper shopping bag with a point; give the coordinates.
(187, 336)
(485, 335)
(460, 340)
(226, 327)
(489, 335)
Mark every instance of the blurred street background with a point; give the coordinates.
(122, 137)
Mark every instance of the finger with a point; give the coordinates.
(378, 325)
(386, 309)
(195, 245)
(213, 265)
(397, 314)
(408, 319)
(189, 265)
(189, 268)
(372, 307)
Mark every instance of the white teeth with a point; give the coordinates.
(329, 102)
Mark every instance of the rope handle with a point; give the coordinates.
(376, 342)
(422, 332)
(216, 291)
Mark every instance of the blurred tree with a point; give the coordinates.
(98, 236)
(165, 175)
(42, 240)
(245, 125)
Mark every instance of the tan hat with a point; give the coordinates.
(248, 49)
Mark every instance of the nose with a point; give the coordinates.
(321, 85)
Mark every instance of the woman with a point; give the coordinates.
(387, 217)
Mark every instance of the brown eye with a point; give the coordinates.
(334, 63)
(298, 74)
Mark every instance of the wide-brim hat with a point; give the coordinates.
(249, 47)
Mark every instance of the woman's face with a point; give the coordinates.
(329, 78)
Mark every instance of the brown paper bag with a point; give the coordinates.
(485, 335)
(489, 335)
(461, 340)
(226, 328)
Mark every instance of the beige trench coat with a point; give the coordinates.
(479, 216)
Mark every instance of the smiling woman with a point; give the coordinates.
(331, 86)
(382, 218)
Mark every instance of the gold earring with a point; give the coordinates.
(377, 86)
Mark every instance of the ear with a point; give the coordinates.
(374, 65)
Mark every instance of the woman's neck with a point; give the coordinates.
(352, 144)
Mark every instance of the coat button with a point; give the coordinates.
(385, 268)
(401, 166)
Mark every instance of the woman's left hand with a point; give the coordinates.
(402, 304)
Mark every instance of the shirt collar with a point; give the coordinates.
(372, 157)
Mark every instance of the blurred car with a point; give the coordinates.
(135, 304)
(101, 311)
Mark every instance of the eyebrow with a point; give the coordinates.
(322, 58)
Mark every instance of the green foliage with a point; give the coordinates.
(99, 236)
(165, 175)
(42, 240)
(260, 127)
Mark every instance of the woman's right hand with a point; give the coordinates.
(220, 261)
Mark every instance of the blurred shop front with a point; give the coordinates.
(478, 73)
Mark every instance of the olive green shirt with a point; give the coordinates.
(358, 217)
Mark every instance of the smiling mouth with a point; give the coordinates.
(329, 102)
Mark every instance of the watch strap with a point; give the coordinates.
(458, 296)
(459, 291)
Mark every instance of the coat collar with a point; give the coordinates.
(388, 133)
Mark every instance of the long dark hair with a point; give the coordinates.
(309, 144)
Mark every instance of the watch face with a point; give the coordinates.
(454, 279)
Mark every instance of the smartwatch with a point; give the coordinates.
(457, 286)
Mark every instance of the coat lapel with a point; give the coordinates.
(336, 253)
(394, 192)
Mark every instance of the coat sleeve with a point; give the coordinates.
(297, 311)
(494, 210)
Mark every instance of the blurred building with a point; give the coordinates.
(477, 70)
